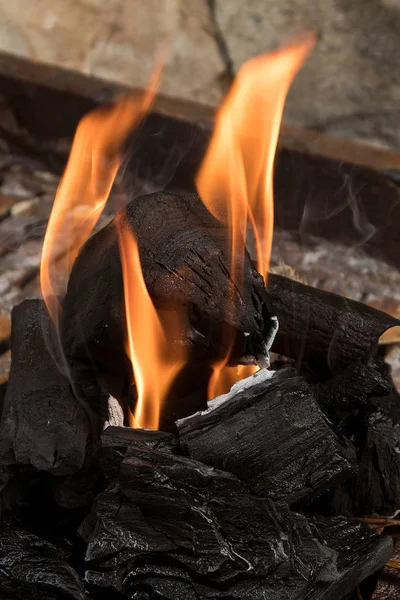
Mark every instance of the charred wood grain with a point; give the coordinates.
(375, 488)
(270, 432)
(173, 527)
(351, 389)
(43, 423)
(185, 259)
(181, 529)
(321, 328)
(116, 443)
(32, 568)
(361, 552)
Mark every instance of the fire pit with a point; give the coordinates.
(176, 421)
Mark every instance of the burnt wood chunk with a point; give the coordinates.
(321, 328)
(375, 488)
(32, 568)
(175, 528)
(361, 552)
(171, 527)
(116, 443)
(351, 389)
(43, 424)
(270, 432)
(185, 259)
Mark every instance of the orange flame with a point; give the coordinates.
(155, 360)
(235, 180)
(84, 189)
(86, 184)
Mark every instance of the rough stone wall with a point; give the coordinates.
(350, 86)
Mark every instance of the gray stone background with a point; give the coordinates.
(349, 87)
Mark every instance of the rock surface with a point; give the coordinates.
(119, 40)
(349, 87)
(351, 84)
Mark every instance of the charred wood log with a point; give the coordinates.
(185, 258)
(173, 527)
(32, 568)
(43, 424)
(323, 329)
(270, 432)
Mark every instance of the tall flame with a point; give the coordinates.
(155, 359)
(84, 189)
(235, 180)
(86, 184)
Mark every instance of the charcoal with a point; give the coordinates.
(361, 552)
(375, 488)
(43, 423)
(185, 258)
(321, 328)
(351, 389)
(117, 441)
(32, 568)
(270, 432)
(124, 437)
(174, 528)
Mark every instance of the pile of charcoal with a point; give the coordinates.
(264, 492)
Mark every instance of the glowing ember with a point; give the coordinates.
(235, 180)
(86, 184)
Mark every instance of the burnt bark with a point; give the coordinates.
(321, 328)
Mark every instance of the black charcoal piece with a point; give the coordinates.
(185, 259)
(375, 489)
(175, 528)
(271, 433)
(117, 441)
(31, 568)
(361, 552)
(126, 436)
(324, 329)
(43, 424)
(350, 389)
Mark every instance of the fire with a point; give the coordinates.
(82, 194)
(86, 184)
(155, 360)
(235, 180)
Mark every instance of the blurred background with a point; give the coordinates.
(350, 86)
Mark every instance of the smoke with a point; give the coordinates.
(344, 207)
